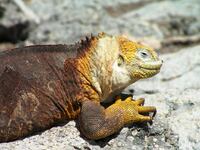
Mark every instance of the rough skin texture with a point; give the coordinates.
(41, 86)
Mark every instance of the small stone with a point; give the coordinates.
(134, 132)
(155, 140)
(130, 138)
(124, 130)
(133, 147)
(119, 144)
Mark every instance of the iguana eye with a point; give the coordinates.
(144, 54)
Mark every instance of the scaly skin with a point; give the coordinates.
(44, 85)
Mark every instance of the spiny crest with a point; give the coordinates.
(87, 40)
(102, 35)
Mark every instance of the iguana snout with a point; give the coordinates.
(148, 64)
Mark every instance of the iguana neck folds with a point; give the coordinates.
(107, 75)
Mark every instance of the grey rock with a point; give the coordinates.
(65, 21)
(134, 17)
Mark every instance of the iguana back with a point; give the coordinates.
(33, 91)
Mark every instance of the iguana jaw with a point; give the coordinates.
(150, 68)
(152, 65)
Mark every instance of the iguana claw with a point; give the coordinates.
(134, 110)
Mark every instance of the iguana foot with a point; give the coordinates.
(134, 110)
(96, 122)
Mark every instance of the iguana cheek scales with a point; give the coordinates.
(43, 85)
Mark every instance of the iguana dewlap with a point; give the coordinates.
(44, 85)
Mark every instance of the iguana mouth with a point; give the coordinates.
(154, 65)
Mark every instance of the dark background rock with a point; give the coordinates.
(65, 21)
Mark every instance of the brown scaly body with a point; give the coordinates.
(44, 85)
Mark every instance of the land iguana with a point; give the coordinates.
(46, 84)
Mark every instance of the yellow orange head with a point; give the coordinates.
(140, 61)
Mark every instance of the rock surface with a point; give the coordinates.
(65, 21)
(176, 94)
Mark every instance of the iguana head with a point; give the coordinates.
(140, 61)
(118, 62)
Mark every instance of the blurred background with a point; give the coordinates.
(166, 25)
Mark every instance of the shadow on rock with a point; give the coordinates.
(15, 33)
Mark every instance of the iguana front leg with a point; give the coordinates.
(96, 122)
